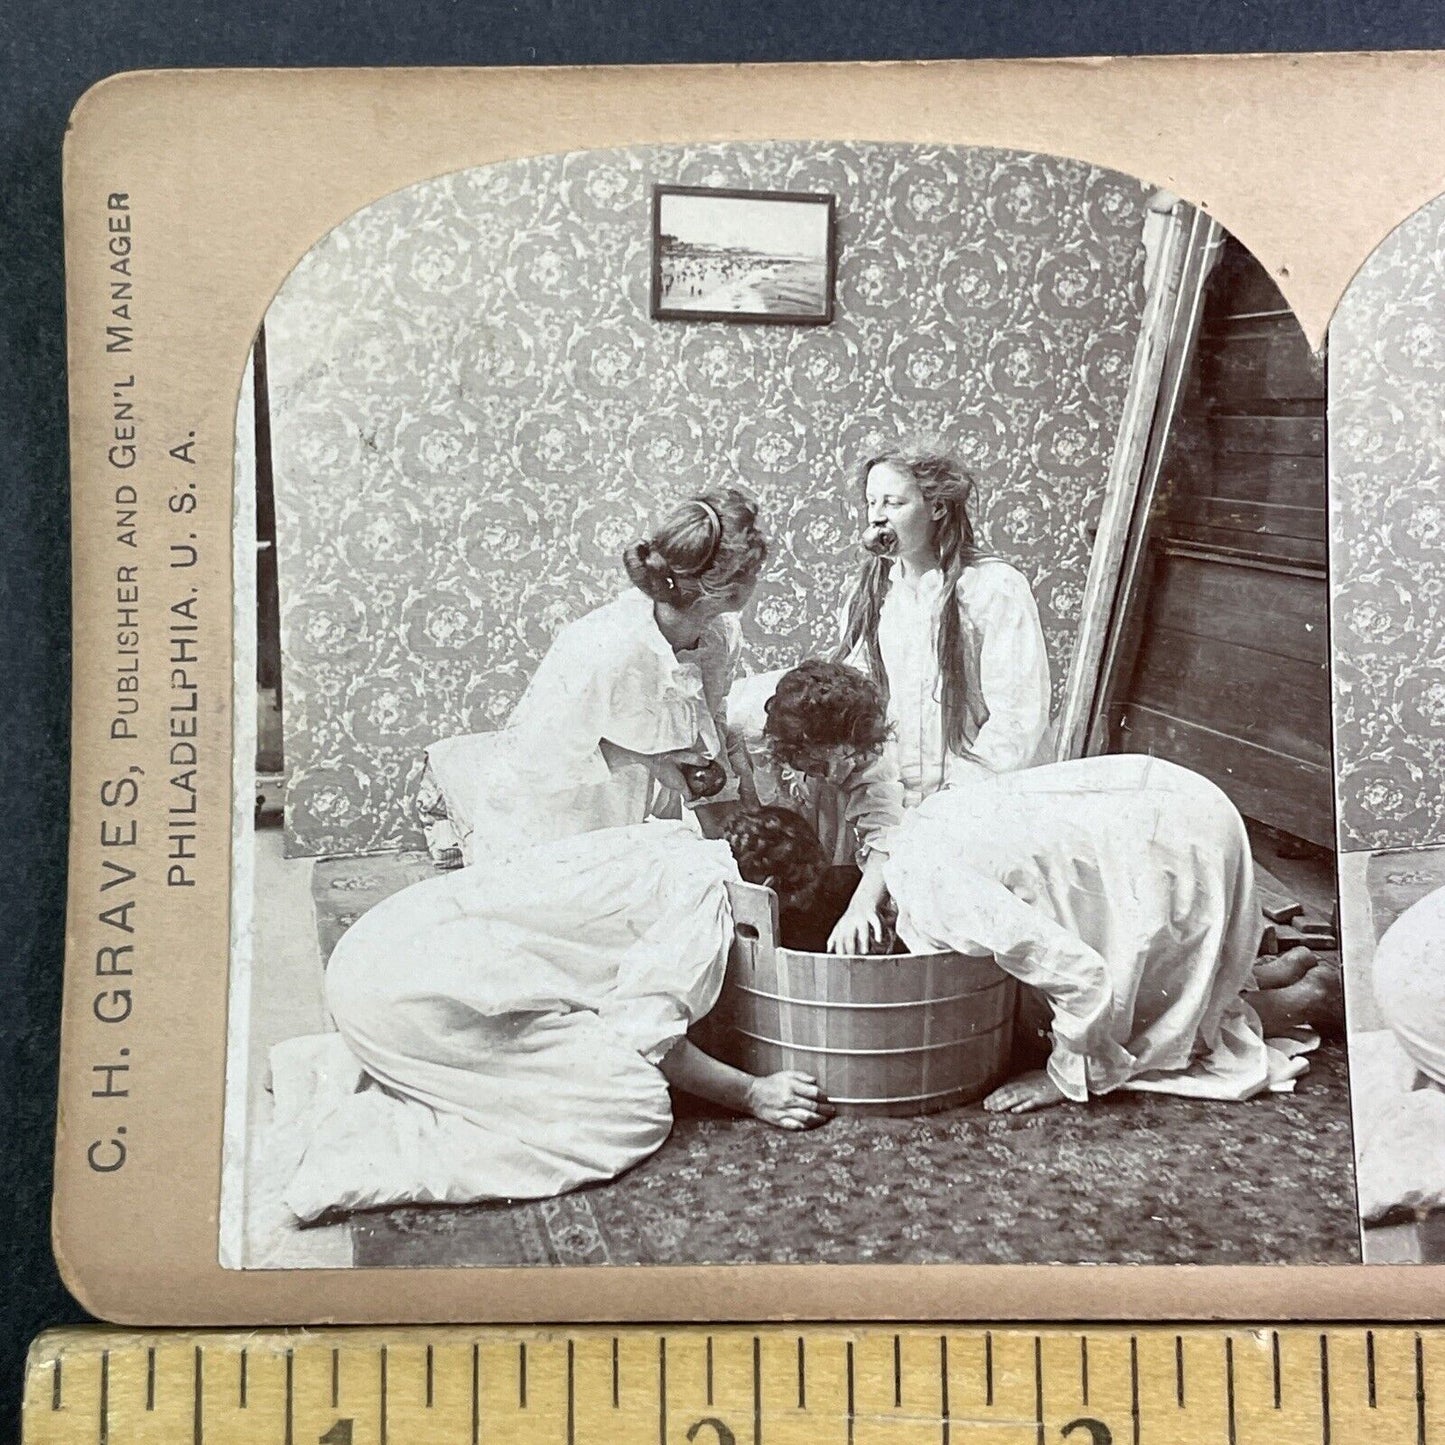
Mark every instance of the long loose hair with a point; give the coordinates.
(949, 490)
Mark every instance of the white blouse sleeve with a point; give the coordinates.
(672, 973)
(747, 708)
(597, 683)
(998, 605)
(720, 654)
(873, 804)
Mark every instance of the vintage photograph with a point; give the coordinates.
(731, 255)
(1387, 461)
(837, 793)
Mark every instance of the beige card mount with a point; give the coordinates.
(190, 199)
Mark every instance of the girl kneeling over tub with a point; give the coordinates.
(1121, 889)
(509, 1030)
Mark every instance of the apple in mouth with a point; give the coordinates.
(881, 540)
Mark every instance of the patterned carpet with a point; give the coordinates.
(1129, 1179)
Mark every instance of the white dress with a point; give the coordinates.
(852, 817)
(513, 1016)
(609, 675)
(1408, 976)
(1397, 1076)
(1008, 661)
(1120, 887)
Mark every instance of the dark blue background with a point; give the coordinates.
(51, 52)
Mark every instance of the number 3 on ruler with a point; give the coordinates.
(338, 1434)
(1099, 1432)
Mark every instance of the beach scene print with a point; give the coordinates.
(743, 255)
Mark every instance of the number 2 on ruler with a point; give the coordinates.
(338, 1434)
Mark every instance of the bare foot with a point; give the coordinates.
(1324, 1002)
(1024, 1094)
(1288, 968)
(1317, 1001)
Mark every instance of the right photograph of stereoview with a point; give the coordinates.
(1386, 417)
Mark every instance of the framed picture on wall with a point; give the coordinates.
(728, 255)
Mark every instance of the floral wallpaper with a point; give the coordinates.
(1387, 541)
(472, 414)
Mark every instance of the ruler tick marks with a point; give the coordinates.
(198, 1425)
(757, 1391)
(1419, 1390)
(1039, 1386)
(1134, 1386)
(943, 1379)
(1229, 1388)
(476, 1393)
(382, 1425)
(571, 1395)
(1247, 1414)
(104, 1397)
(849, 1373)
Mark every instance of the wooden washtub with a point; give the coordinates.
(897, 1034)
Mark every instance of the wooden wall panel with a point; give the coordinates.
(1231, 675)
(1264, 783)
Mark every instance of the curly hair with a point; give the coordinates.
(776, 844)
(822, 704)
(946, 486)
(704, 545)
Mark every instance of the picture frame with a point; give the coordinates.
(721, 254)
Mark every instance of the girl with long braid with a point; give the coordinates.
(950, 634)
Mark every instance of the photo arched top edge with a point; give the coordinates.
(1298, 156)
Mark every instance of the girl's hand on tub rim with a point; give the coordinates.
(788, 1100)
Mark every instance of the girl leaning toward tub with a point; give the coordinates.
(624, 716)
(511, 1031)
(1121, 889)
(949, 633)
(816, 740)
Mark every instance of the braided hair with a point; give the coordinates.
(777, 844)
